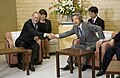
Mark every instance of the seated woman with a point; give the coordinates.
(44, 25)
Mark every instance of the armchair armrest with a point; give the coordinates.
(8, 43)
(76, 42)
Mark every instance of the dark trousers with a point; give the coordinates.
(110, 52)
(28, 45)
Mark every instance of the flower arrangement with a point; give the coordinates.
(67, 7)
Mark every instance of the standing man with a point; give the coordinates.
(26, 39)
(86, 33)
(93, 12)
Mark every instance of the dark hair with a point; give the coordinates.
(78, 15)
(93, 9)
(42, 11)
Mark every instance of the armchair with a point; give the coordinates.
(100, 49)
(10, 38)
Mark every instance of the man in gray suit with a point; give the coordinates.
(86, 32)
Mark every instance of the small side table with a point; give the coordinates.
(78, 54)
(113, 68)
(18, 50)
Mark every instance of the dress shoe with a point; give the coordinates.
(118, 76)
(100, 73)
(67, 67)
(48, 56)
(20, 66)
(31, 67)
(84, 67)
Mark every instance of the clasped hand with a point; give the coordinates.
(51, 36)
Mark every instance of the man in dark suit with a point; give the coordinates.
(93, 12)
(110, 52)
(87, 35)
(26, 39)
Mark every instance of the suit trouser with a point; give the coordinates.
(110, 52)
(29, 45)
(82, 46)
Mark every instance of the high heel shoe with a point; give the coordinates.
(44, 56)
(47, 55)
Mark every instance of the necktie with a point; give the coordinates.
(92, 21)
(80, 32)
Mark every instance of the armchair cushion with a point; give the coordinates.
(15, 35)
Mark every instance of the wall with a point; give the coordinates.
(26, 7)
(108, 10)
(8, 21)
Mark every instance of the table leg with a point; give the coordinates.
(93, 65)
(107, 75)
(79, 67)
(23, 60)
(71, 64)
(112, 75)
(57, 64)
(27, 63)
(100, 57)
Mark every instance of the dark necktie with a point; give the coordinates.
(92, 21)
(80, 32)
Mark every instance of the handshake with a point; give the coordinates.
(52, 36)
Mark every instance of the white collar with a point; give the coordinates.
(94, 19)
(80, 26)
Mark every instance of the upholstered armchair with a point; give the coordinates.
(53, 45)
(100, 49)
(10, 38)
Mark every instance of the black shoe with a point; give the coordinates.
(118, 76)
(67, 67)
(100, 73)
(20, 66)
(31, 67)
(84, 67)
(76, 64)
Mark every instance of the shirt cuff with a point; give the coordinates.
(57, 35)
(101, 40)
(44, 35)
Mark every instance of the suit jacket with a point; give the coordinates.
(28, 32)
(99, 22)
(45, 27)
(88, 32)
(117, 38)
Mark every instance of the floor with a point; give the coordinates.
(46, 70)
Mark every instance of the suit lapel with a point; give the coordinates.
(96, 21)
(83, 30)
